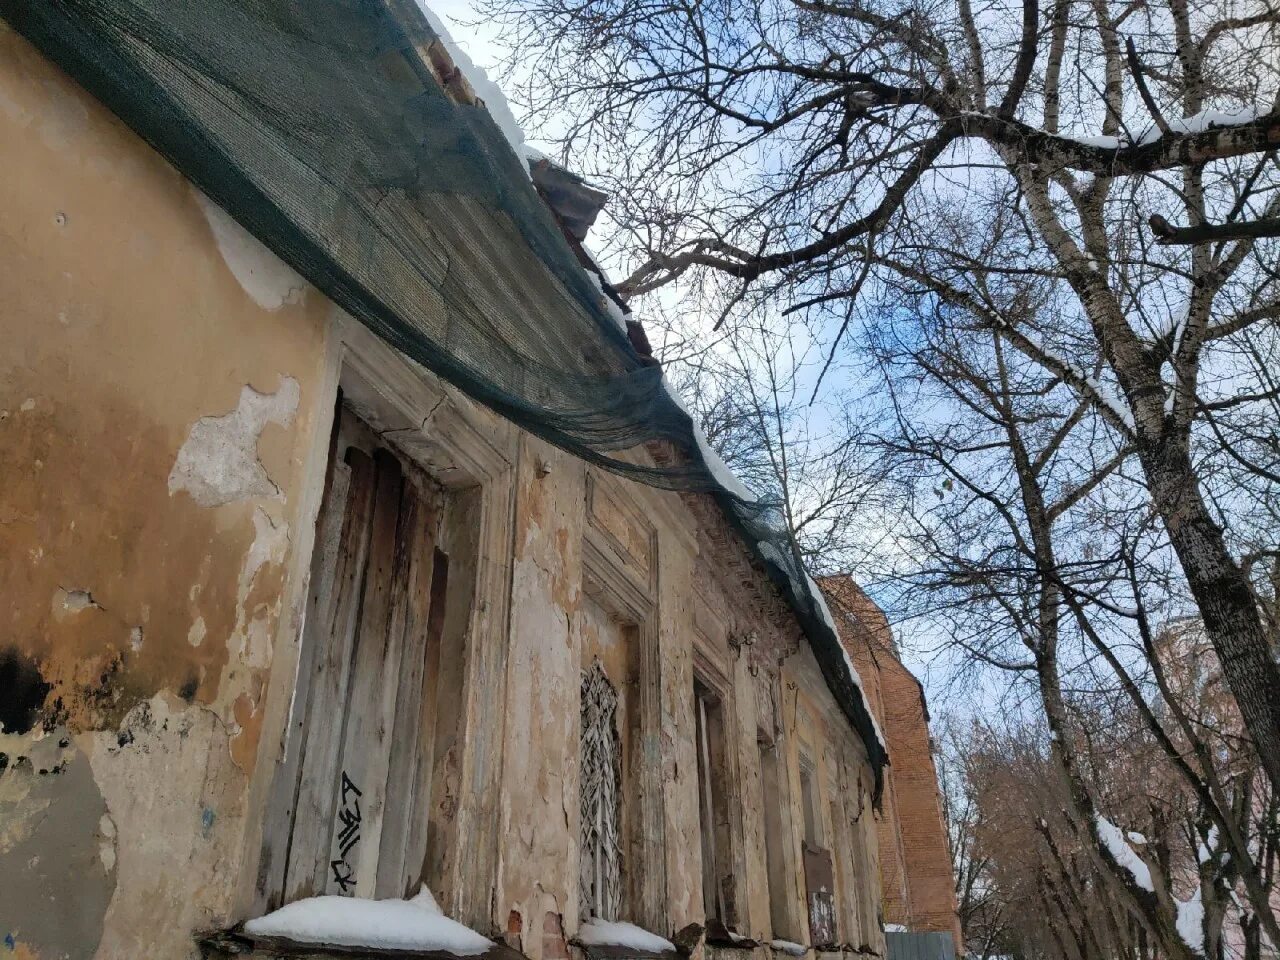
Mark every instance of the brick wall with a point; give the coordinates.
(915, 863)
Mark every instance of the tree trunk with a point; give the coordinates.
(1226, 602)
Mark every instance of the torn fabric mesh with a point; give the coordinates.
(320, 128)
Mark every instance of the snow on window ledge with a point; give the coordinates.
(596, 934)
(394, 925)
(788, 947)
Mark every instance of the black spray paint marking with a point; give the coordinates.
(349, 835)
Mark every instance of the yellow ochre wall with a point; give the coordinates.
(166, 391)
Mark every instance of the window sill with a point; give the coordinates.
(227, 944)
(617, 952)
(733, 948)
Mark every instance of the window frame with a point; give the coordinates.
(460, 446)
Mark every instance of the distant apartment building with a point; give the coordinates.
(918, 886)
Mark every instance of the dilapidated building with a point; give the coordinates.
(300, 604)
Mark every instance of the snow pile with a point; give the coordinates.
(1203, 852)
(1104, 140)
(488, 91)
(415, 924)
(615, 933)
(1122, 853)
(789, 948)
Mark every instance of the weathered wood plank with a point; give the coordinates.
(370, 709)
(283, 798)
(451, 736)
(308, 867)
(415, 561)
(418, 826)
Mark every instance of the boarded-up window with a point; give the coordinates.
(819, 874)
(714, 813)
(600, 879)
(367, 707)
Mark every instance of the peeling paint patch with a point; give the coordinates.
(253, 623)
(107, 842)
(267, 279)
(68, 603)
(219, 462)
(50, 837)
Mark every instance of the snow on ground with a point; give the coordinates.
(787, 947)
(614, 933)
(415, 924)
(1123, 853)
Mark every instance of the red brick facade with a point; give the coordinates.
(915, 862)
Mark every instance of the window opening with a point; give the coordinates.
(600, 879)
(714, 814)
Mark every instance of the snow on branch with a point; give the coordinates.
(1122, 853)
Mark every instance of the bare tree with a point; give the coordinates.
(802, 155)
(817, 462)
(988, 917)
(1047, 564)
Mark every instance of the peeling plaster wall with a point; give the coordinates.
(557, 629)
(164, 385)
(154, 412)
(539, 811)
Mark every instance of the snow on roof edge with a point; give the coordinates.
(495, 101)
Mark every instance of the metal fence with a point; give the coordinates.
(920, 946)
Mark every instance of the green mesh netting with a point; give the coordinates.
(317, 125)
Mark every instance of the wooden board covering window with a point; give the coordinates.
(819, 879)
(775, 858)
(366, 683)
